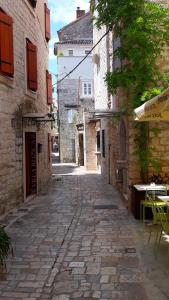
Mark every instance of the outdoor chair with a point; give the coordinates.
(151, 195)
(163, 216)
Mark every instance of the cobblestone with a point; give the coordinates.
(66, 249)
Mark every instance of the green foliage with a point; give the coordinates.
(143, 28)
(5, 246)
(142, 148)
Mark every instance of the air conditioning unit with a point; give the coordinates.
(96, 59)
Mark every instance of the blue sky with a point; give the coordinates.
(62, 13)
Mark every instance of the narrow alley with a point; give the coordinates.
(76, 240)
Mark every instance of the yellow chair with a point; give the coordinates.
(151, 195)
(161, 214)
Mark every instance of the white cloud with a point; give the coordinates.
(51, 47)
(51, 54)
(65, 11)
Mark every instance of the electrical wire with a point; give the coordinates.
(83, 58)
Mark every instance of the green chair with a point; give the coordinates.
(160, 214)
(163, 216)
(151, 195)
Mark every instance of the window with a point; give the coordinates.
(71, 116)
(98, 141)
(31, 53)
(49, 87)
(87, 52)
(47, 23)
(33, 3)
(6, 45)
(103, 143)
(87, 89)
(70, 52)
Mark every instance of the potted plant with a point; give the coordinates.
(5, 246)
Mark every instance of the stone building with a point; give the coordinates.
(114, 129)
(25, 98)
(75, 92)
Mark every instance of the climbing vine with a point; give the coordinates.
(143, 29)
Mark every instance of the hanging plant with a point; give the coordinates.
(5, 246)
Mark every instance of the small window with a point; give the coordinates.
(98, 141)
(87, 52)
(70, 52)
(87, 89)
(103, 143)
(71, 116)
(6, 45)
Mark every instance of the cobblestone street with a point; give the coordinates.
(76, 240)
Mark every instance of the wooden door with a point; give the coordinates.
(30, 163)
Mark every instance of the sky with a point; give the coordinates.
(62, 12)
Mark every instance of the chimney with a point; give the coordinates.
(79, 13)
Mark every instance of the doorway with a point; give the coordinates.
(30, 163)
(81, 150)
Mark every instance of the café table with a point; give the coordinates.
(138, 194)
(164, 199)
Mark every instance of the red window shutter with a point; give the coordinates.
(6, 45)
(47, 23)
(49, 147)
(49, 87)
(31, 66)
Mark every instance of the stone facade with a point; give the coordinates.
(75, 40)
(119, 165)
(16, 101)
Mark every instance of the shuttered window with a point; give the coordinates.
(47, 23)
(31, 51)
(6, 45)
(49, 87)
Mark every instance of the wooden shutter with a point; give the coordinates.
(6, 45)
(49, 147)
(47, 23)
(31, 66)
(49, 87)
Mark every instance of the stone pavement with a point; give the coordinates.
(76, 240)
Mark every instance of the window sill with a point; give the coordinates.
(86, 97)
(98, 153)
(31, 94)
(8, 81)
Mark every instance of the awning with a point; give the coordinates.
(107, 113)
(39, 117)
(156, 109)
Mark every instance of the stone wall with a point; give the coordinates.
(16, 100)
(69, 99)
